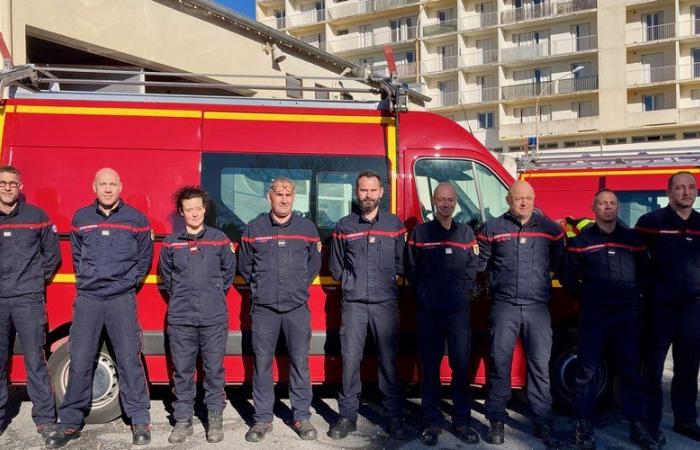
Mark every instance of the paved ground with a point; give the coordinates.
(611, 432)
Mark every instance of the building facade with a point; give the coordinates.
(583, 75)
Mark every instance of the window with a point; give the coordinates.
(545, 113)
(294, 85)
(485, 120)
(695, 94)
(238, 185)
(321, 95)
(691, 134)
(480, 194)
(613, 141)
(343, 32)
(582, 109)
(634, 204)
(653, 102)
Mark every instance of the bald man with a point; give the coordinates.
(519, 250)
(112, 248)
(442, 261)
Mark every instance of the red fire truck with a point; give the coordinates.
(565, 184)
(233, 147)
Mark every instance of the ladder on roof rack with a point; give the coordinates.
(612, 159)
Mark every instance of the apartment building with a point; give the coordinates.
(587, 74)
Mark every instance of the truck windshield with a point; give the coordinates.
(480, 193)
(634, 204)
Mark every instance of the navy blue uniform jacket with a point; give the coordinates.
(674, 248)
(111, 254)
(442, 264)
(520, 257)
(279, 261)
(29, 251)
(367, 256)
(607, 269)
(197, 271)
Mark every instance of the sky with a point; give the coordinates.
(245, 7)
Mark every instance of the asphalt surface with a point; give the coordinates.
(611, 431)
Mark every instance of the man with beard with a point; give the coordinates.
(366, 257)
(30, 256)
(442, 261)
(606, 266)
(673, 237)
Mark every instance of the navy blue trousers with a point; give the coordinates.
(185, 342)
(382, 321)
(28, 314)
(604, 329)
(118, 316)
(296, 326)
(434, 329)
(678, 325)
(532, 323)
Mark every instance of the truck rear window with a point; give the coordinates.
(238, 185)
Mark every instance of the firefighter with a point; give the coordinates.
(197, 266)
(519, 249)
(606, 266)
(112, 246)
(442, 260)
(366, 257)
(280, 255)
(30, 257)
(673, 237)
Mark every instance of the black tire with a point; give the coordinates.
(105, 388)
(563, 366)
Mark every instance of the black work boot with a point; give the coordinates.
(342, 428)
(141, 434)
(62, 436)
(215, 426)
(46, 430)
(584, 435)
(397, 428)
(429, 435)
(689, 429)
(545, 432)
(496, 434)
(181, 430)
(257, 432)
(640, 436)
(465, 433)
(305, 429)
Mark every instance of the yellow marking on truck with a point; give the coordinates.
(280, 117)
(391, 154)
(124, 112)
(527, 175)
(4, 110)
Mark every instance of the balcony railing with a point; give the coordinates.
(405, 70)
(377, 38)
(658, 32)
(569, 85)
(527, 90)
(444, 99)
(448, 26)
(485, 94)
(365, 7)
(524, 52)
(651, 74)
(439, 64)
(688, 28)
(480, 58)
(689, 71)
(480, 20)
(573, 45)
(273, 22)
(306, 18)
(546, 9)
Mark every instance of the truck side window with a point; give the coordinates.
(238, 183)
(493, 193)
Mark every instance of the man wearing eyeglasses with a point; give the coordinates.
(30, 256)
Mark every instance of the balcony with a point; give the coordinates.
(525, 52)
(483, 95)
(448, 26)
(549, 127)
(651, 74)
(689, 71)
(549, 48)
(654, 33)
(545, 88)
(481, 20)
(306, 18)
(688, 28)
(479, 58)
(650, 118)
(344, 10)
(575, 45)
(546, 9)
(369, 40)
(439, 64)
(445, 99)
(403, 70)
(274, 22)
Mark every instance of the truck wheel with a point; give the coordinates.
(105, 388)
(563, 374)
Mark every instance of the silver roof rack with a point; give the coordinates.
(619, 159)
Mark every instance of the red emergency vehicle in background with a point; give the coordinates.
(233, 147)
(565, 184)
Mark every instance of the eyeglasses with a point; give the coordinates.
(12, 184)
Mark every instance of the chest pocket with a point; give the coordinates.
(387, 253)
(356, 250)
(537, 249)
(265, 255)
(121, 243)
(297, 254)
